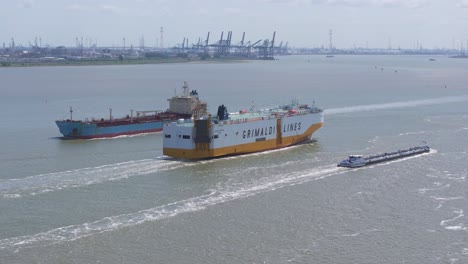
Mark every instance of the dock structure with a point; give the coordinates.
(266, 50)
(225, 47)
(86, 50)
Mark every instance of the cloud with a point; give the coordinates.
(202, 11)
(108, 9)
(293, 2)
(167, 11)
(404, 3)
(349, 2)
(27, 3)
(463, 4)
(231, 10)
(104, 9)
(78, 8)
(282, 1)
(381, 3)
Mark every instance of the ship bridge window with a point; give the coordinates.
(167, 135)
(186, 137)
(215, 136)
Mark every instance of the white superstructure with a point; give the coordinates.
(188, 103)
(243, 132)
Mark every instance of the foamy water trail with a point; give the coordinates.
(216, 196)
(124, 136)
(43, 183)
(402, 104)
(446, 223)
(49, 182)
(443, 200)
(220, 195)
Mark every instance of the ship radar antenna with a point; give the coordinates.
(185, 87)
(252, 106)
(71, 113)
(294, 102)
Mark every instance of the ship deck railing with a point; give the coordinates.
(131, 120)
(396, 153)
(238, 118)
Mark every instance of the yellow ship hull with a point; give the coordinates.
(205, 153)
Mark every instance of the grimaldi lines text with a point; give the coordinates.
(241, 132)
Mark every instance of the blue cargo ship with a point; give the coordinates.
(181, 107)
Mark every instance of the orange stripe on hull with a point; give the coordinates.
(241, 149)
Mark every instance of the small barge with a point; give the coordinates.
(355, 161)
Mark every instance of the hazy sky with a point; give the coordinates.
(372, 23)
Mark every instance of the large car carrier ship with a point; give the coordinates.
(180, 107)
(241, 132)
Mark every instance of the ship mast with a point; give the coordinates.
(71, 113)
(185, 87)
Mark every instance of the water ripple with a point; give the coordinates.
(216, 196)
(396, 105)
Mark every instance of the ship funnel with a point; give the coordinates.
(222, 113)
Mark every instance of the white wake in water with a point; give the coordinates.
(403, 104)
(49, 182)
(446, 223)
(216, 196)
(221, 195)
(124, 136)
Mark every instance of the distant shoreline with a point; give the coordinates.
(6, 64)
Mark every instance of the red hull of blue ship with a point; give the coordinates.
(181, 107)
